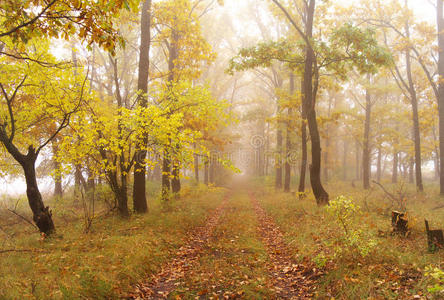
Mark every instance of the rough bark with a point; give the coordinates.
(139, 187)
(42, 215)
(310, 97)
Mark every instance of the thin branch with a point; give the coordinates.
(30, 22)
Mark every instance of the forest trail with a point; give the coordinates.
(165, 281)
(291, 280)
(239, 254)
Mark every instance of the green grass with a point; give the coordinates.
(107, 261)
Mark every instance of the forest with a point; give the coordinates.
(221, 149)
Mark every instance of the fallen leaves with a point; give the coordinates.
(163, 283)
(289, 279)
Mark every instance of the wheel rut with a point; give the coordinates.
(289, 279)
(164, 282)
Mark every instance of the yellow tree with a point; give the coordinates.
(180, 36)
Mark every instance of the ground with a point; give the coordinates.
(243, 241)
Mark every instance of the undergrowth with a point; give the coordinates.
(363, 259)
(103, 263)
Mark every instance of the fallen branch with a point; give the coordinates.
(385, 191)
(438, 207)
(23, 218)
(19, 250)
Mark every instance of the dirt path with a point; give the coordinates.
(289, 279)
(164, 282)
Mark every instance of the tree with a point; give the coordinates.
(185, 51)
(440, 90)
(139, 193)
(348, 48)
(39, 102)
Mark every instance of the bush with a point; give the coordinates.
(352, 239)
(436, 277)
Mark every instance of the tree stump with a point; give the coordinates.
(399, 222)
(435, 238)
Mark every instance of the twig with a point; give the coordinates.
(19, 250)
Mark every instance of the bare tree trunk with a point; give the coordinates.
(287, 180)
(196, 165)
(378, 165)
(411, 167)
(357, 161)
(279, 139)
(310, 103)
(395, 167)
(440, 21)
(344, 161)
(139, 188)
(366, 145)
(206, 172)
(211, 169)
(42, 216)
(175, 181)
(416, 130)
(304, 156)
(166, 170)
(58, 189)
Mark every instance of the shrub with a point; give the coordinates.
(436, 276)
(352, 238)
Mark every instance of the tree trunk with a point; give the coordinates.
(196, 165)
(327, 142)
(211, 171)
(440, 21)
(395, 167)
(378, 165)
(288, 145)
(304, 157)
(122, 196)
(279, 139)
(416, 130)
(206, 175)
(366, 145)
(411, 167)
(166, 176)
(357, 161)
(310, 103)
(344, 161)
(175, 181)
(139, 187)
(58, 188)
(42, 216)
